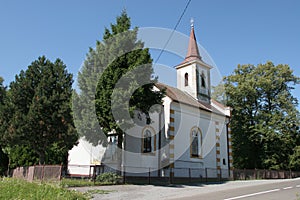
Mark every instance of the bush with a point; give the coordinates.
(108, 178)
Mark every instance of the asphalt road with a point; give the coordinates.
(288, 190)
(233, 190)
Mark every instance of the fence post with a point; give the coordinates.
(60, 171)
(171, 176)
(149, 176)
(94, 174)
(124, 177)
(43, 172)
(90, 173)
(205, 174)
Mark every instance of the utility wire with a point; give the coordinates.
(175, 27)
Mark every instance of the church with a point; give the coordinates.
(189, 137)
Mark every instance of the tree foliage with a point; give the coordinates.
(265, 120)
(120, 86)
(39, 110)
(3, 156)
(295, 159)
(119, 53)
(2, 91)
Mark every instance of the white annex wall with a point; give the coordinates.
(82, 156)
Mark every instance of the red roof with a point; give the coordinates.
(180, 96)
(193, 51)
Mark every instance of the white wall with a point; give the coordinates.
(82, 156)
(134, 160)
(187, 117)
(192, 84)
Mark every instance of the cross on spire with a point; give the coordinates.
(192, 22)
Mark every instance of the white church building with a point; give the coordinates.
(189, 137)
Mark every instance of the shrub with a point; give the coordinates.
(108, 178)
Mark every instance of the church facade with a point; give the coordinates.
(189, 135)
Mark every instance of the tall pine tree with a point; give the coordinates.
(117, 54)
(119, 91)
(3, 119)
(41, 110)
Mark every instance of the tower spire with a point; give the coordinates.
(193, 74)
(193, 51)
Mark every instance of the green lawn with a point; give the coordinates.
(108, 178)
(68, 182)
(19, 189)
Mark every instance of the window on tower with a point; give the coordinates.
(198, 82)
(186, 79)
(203, 81)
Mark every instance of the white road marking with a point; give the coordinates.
(286, 188)
(297, 186)
(253, 194)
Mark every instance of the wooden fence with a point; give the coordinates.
(39, 172)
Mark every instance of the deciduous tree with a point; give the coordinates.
(265, 119)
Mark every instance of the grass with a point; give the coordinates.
(19, 189)
(103, 179)
(67, 182)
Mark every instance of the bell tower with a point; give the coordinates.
(193, 75)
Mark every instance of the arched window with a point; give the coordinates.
(148, 140)
(186, 79)
(196, 142)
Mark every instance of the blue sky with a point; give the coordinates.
(232, 32)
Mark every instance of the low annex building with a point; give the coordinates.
(191, 131)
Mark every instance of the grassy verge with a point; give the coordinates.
(103, 179)
(19, 189)
(67, 182)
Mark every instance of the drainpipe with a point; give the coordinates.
(228, 157)
(227, 129)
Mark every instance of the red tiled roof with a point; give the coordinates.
(182, 97)
(218, 104)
